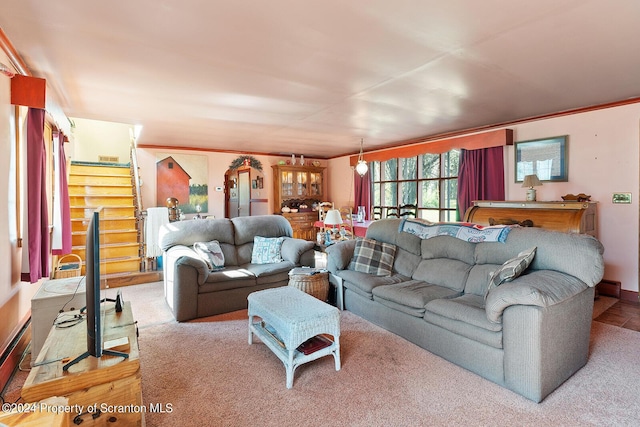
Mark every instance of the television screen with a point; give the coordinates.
(94, 276)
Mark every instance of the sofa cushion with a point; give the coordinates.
(450, 273)
(246, 227)
(466, 316)
(363, 283)
(230, 278)
(270, 273)
(511, 269)
(188, 232)
(267, 250)
(373, 257)
(410, 297)
(448, 247)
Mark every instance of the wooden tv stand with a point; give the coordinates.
(109, 384)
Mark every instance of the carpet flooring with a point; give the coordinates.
(209, 375)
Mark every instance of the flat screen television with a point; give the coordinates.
(93, 271)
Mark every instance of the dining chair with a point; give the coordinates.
(392, 212)
(346, 212)
(376, 212)
(408, 209)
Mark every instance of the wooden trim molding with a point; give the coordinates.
(470, 142)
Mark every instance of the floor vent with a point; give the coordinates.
(108, 159)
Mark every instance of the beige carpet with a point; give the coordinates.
(210, 376)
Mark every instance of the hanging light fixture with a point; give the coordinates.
(361, 166)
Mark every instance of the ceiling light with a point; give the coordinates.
(361, 166)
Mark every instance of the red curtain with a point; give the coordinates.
(362, 191)
(65, 208)
(480, 177)
(37, 212)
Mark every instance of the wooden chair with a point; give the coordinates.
(376, 212)
(323, 208)
(346, 212)
(392, 212)
(408, 210)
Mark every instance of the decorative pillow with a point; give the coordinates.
(511, 269)
(211, 253)
(266, 250)
(373, 257)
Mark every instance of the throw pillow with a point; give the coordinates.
(511, 269)
(211, 253)
(373, 257)
(266, 250)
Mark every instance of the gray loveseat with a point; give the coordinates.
(529, 335)
(193, 290)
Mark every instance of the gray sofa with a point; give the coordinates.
(192, 290)
(529, 335)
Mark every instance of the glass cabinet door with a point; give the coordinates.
(316, 183)
(286, 181)
(301, 180)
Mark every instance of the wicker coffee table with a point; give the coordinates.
(288, 318)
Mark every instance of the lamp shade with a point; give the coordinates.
(333, 217)
(531, 181)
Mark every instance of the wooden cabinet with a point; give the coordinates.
(104, 385)
(572, 217)
(303, 224)
(295, 185)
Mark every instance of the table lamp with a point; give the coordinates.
(331, 218)
(531, 181)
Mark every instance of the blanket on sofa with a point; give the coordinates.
(461, 230)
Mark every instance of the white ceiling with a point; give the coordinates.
(313, 77)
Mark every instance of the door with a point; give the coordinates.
(244, 193)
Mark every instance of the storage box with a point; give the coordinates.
(52, 297)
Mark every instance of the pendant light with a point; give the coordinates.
(361, 166)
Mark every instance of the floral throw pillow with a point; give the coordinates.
(267, 250)
(373, 257)
(511, 269)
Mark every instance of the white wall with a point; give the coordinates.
(603, 156)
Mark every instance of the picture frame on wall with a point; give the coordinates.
(546, 158)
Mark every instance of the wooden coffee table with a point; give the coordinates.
(288, 318)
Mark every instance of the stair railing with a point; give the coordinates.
(135, 177)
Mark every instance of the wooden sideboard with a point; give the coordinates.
(573, 217)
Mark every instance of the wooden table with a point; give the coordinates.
(105, 384)
(359, 228)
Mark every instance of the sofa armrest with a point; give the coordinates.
(186, 256)
(297, 251)
(339, 255)
(542, 288)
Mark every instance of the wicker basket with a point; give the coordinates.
(68, 266)
(316, 284)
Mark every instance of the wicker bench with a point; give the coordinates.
(288, 318)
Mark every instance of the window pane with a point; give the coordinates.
(390, 170)
(450, 196)
(430, 166)
(449, 216)
(429, 194)
(390, 194)
(376, 195)
(450, 163)
(432, 215)
(409, 192)
(375, 171)
(409, 168)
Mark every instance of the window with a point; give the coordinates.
(429, 181)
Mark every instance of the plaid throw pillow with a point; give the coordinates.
(511, 269)
(373, 257)
(266, 250)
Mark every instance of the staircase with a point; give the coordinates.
(109, 185)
